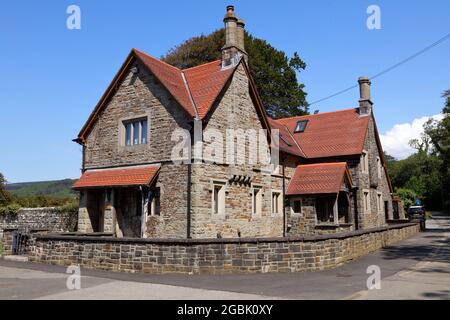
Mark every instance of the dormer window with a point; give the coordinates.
(301, 126)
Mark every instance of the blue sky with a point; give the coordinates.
(52, 77)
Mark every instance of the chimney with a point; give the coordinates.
(365, 102)
(233, 49)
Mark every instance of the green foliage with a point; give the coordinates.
(5, 197)
(69, 207)
(1, 248)
(9, 209)
(439, 134)
(54, 189)
(407, 195)
(427, 172)
(275, 75)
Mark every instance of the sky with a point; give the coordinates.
(52, 77)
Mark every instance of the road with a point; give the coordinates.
(417, 268)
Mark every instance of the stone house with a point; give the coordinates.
(155, 164)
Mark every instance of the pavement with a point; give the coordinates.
(417, 268)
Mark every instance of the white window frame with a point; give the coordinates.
(221, 198)
(365, 161)
(379, 167)
(153, 204)
(257, 212)
(380, 202)
(366, 200)
(279, 200)
(143, 139)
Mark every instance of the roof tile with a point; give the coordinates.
(321, 178)
(117, 177)
(330, 134)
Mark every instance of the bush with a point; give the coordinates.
(12, 208)
(408, 196)
(69, 207)
(1, 248)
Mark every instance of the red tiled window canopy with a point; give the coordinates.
(120, 177)
(320, 178)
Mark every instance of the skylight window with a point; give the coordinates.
(301, 126)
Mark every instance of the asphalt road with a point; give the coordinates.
(417, 268)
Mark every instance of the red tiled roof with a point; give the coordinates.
(330, 134)
(138, 176)
(170, 77)
(321, 178)
(203, 83)
(287, 143)
(206, 82)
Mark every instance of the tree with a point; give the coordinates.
(5, 197)
(407, 195)
(439, 135)
(275, 74)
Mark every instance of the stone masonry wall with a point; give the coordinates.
(39, 218)
(215, 256)
(137, 96)
(234, 110)
(374, 184)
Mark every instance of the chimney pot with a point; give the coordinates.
(233, 49)
(365, 102)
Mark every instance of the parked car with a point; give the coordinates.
(417, 214)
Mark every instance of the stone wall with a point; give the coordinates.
(305, 223)
(374, 184)
(51, 219)
(215, 256)
(234, 110)
(137, 96)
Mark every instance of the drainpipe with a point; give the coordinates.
(355, 202)
(188, 222)
(284, 199)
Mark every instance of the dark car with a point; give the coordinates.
(417, 214)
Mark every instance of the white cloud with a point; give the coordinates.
(396, 140)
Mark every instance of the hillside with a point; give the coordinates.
(57, 189)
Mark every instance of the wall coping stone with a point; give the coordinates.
(79, 237)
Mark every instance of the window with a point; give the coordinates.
(301, 126)
(277, 203)
(256, 201)
(325, 209)
(296, 206)
(154, 202)
(366, 200)
(136, 132)
(380, 202)
(365, 162)
(218, 198)
(379, 167)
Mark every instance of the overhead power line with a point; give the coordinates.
(418, 53)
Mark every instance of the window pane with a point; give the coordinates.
(144, 132)
(136, 132)
(128, 134)
(216, 199)
(297, 206)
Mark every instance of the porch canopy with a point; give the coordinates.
(319, 178)
(118, 177)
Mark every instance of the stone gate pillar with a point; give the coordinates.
(109, 214)
(84, 221)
